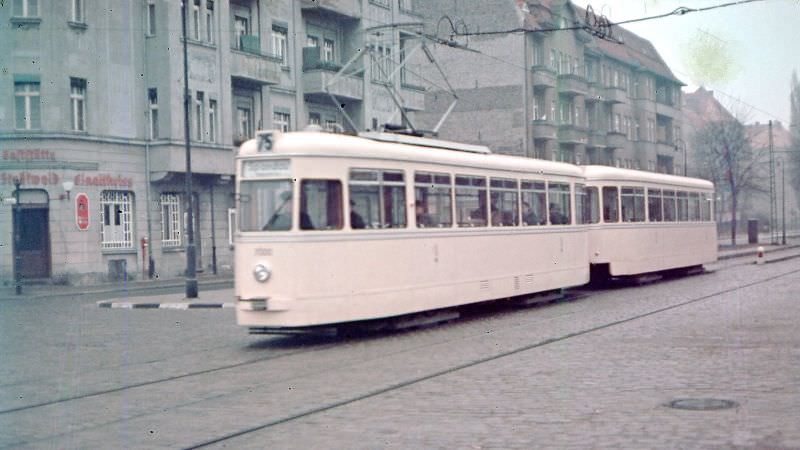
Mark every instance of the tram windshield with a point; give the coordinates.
(265, 205)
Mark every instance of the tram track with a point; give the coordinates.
(475, 362)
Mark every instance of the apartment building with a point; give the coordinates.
(92, 123)
(565, 95)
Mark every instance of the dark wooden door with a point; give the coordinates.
(34, 242)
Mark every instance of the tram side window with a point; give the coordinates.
(694, 206)
(610, 213)
(377, 199)
(654, 207)
(265, 205)
(587, 204)
(503, 193)
(470, 201)
(321, 205)
(559, 197)
(534, 203)
(632, 200)
(670, 214)
(433, 201)
(683, 206)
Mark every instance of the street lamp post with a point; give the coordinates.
(783, 206)
(191, 269)
(17, 226)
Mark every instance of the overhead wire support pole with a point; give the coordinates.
(191, 269)
(773, 213)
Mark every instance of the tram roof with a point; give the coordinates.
(606, 173)
(312, 143)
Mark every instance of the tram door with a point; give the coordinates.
(32, 216)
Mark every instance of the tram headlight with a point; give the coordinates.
(261, 273)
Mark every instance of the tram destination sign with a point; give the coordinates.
(266, 168)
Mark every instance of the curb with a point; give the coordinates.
(165, 305)
(209, 285)
(745, 254)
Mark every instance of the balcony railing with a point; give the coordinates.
(571, 84)
(544, 129)
(247, 62)
(543, 76)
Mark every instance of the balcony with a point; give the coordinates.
(346, 87)
(594, 92)
(571, 84)
(543, 129)
(208, 160)
(338, 9)
(597, 139)
(570, 134)
(543, 76)
(248, 63)
(615, 95)
(667, 109)
(616, 139)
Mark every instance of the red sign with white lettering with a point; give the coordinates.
(82, 211)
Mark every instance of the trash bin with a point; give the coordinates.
(752, 231)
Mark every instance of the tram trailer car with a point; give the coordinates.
(335, 228)
(650, 222)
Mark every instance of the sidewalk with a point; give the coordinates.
(125, 289)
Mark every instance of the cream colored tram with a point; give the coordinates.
(335, 229)
(643, 222)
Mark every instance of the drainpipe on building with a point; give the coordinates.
(213, 231)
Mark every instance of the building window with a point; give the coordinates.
(381, 63)
(77, 99)
(405, 5)
(171, 220)
(152, 99)
(210, 21)
(77, 11)
(241, 27)
(196, 20)
(327, 51)
(280, 38)
(151, 18)
(212, 121)
(26, 8)
(116, 225)
(314, 119)
(244, 120)
(27, 106)
(199, 115)
(280, 120)
(312, 41)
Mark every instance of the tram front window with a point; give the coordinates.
(265, 205)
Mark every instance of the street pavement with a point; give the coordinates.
(596, 372)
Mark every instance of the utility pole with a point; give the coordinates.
(783, 205)
(773, 213)
(191, 269)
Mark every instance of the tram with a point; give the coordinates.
(334, 229)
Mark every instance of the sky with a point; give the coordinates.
(745, 53)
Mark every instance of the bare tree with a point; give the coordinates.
(726, 155)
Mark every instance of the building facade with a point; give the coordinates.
(565, 95)
(92, 123)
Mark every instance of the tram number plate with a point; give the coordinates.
(266, 168)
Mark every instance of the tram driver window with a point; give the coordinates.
(377, 199)
(320, 205)
(433, 201)
(470, 201)
(559, 207)
(265, 205)
(610, 214)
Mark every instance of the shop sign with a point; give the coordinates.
(82, 211)
(105, 180)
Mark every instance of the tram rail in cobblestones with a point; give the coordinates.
(473, 363)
